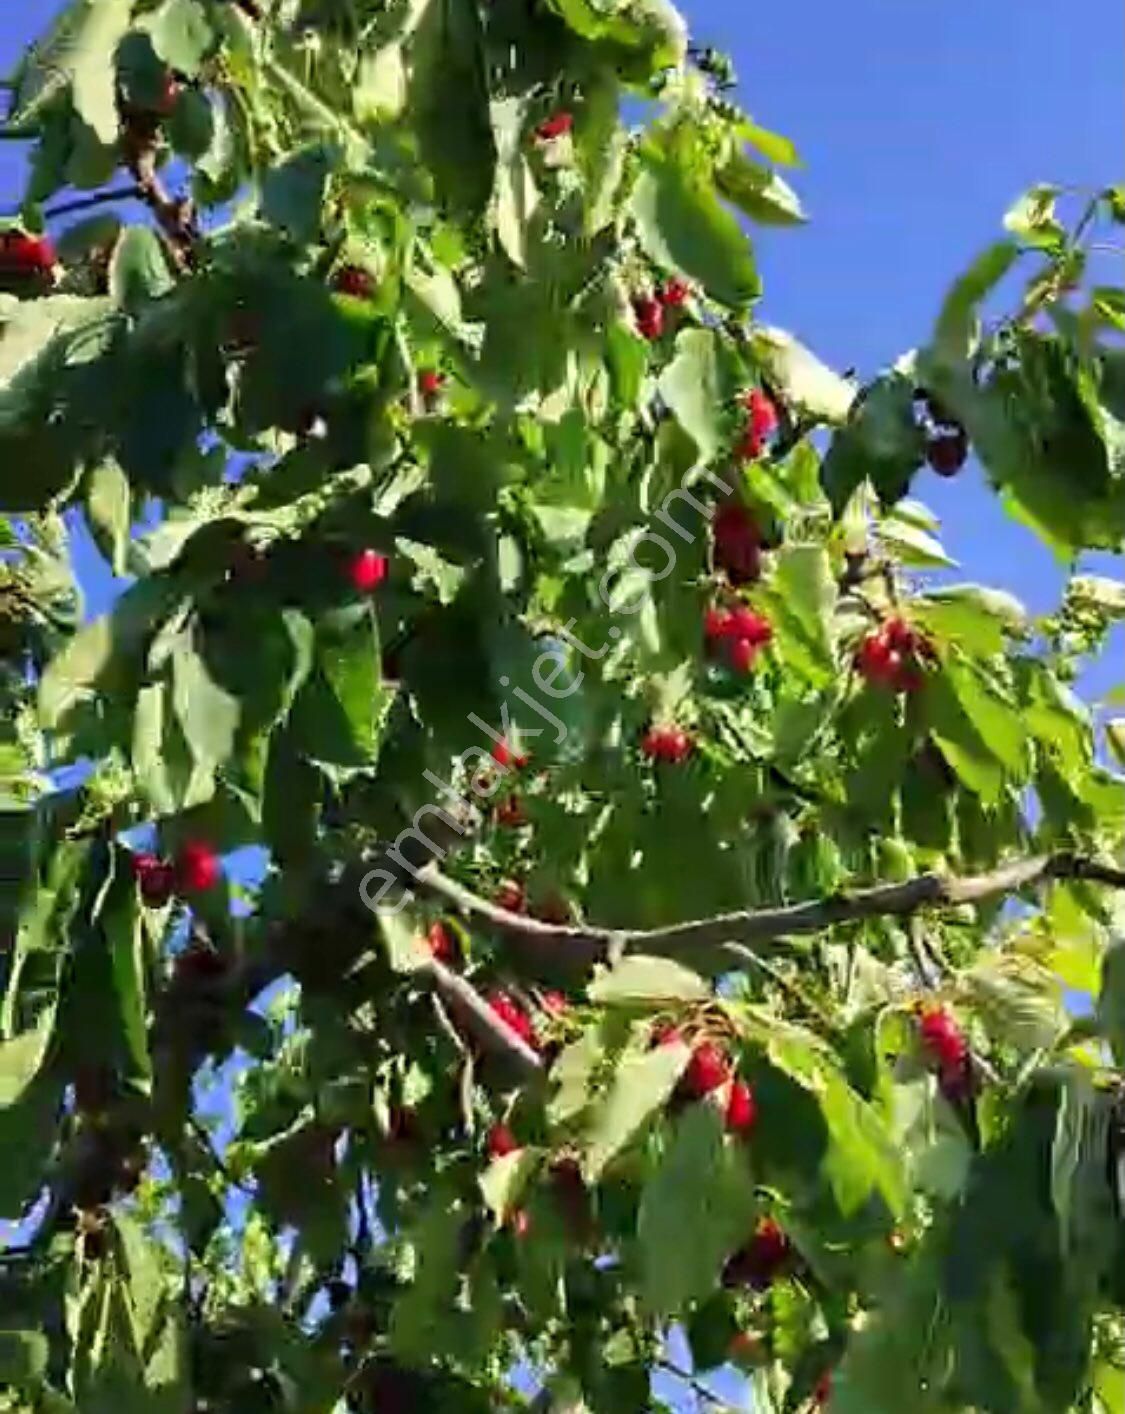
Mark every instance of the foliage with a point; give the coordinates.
(739, 879)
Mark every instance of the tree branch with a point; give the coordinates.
(764, 925)
(98, 198)
(477, 1018)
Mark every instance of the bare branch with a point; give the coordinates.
(764, 925)
(98, 198)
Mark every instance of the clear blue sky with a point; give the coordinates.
(918, 122)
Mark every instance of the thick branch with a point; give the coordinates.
(764, 925)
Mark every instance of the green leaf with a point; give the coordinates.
(960, 742)
(182, 35)
(108, 507)
(432, 571)
(79, 52)
(881, 443)
(573, 1076)
(912, 546)
(121, 923)
(293, 193)
(639, 981)
(650, 33)
(682, 224)
(976, 619)
(759, 193)
(995, 716)
(695, 1210)
(1032, 218)
(349, 657)
(379, 94)
(642, 1085)
(23, 1358)
(806, 384)
(22, 1056)
(1115, 739)
(505, 1180)
(516, 196)
(191, 124)
(802, 603)
(692, 387)
(138, 271)
(208, 715)
(447, 103)
(957, 320)
(772, 146)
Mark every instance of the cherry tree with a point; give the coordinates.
(674, 904)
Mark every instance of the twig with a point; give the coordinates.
(478, 1019)
(764, 925)
(694, 1384)
(98, 198)
(175, 216)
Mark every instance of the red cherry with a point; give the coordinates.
(556, 1002)
(25, 254)
(430, 383)
(943, 1038)
(557, 125)
(769, 1250)
(511, 897)
(666, 1035)
(717, 624)
(510, 813)
(501, 1141)
(742, 1108)
(749, 445)
(763, 415)
(441, 943)
(514, 1017)
(649, 314)
(201, 962)
(899, 635)
(367, 570)
(947, 450)
(521, 1222)
(737, 541)
(169, 94)
(196, 868)
(673, 293)
(742, 654)
(873, 658)
(155, 878)
(823, 1391)
(354, 280)
(747, 623)
(707, 1069)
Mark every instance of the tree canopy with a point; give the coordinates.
(670, 909)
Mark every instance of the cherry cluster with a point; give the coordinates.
(650, 311)
(760, 424)
(736, 543)
(947, 1049)
(709, 1069)
(759, 1262)
(894, 656)
(24, 256)
(667, 743)
(194, 869)
(738, 633)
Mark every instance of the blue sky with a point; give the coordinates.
(918, 122)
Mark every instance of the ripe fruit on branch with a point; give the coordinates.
(760, 425)
(762, 1259)
(942, 1039)
(666, 743)
(155, 878)
(737, 543)
(441, 943)
(430, 383)
(893, 656)
(196, 868)
(947, 449)
(367, 570)
(503, 755)
(354, 280)
(673, 293)
(510, 813)
(509, 1011)
(501, 1141)
(742, 1108)
(665, 1034)
(511, 897)
(170, 90)
(556, 1002)
(649, 314)
(706, 1070)
(739, 633)
(25, 254)
(557, 125)
(200, 963)
(822, 1393)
